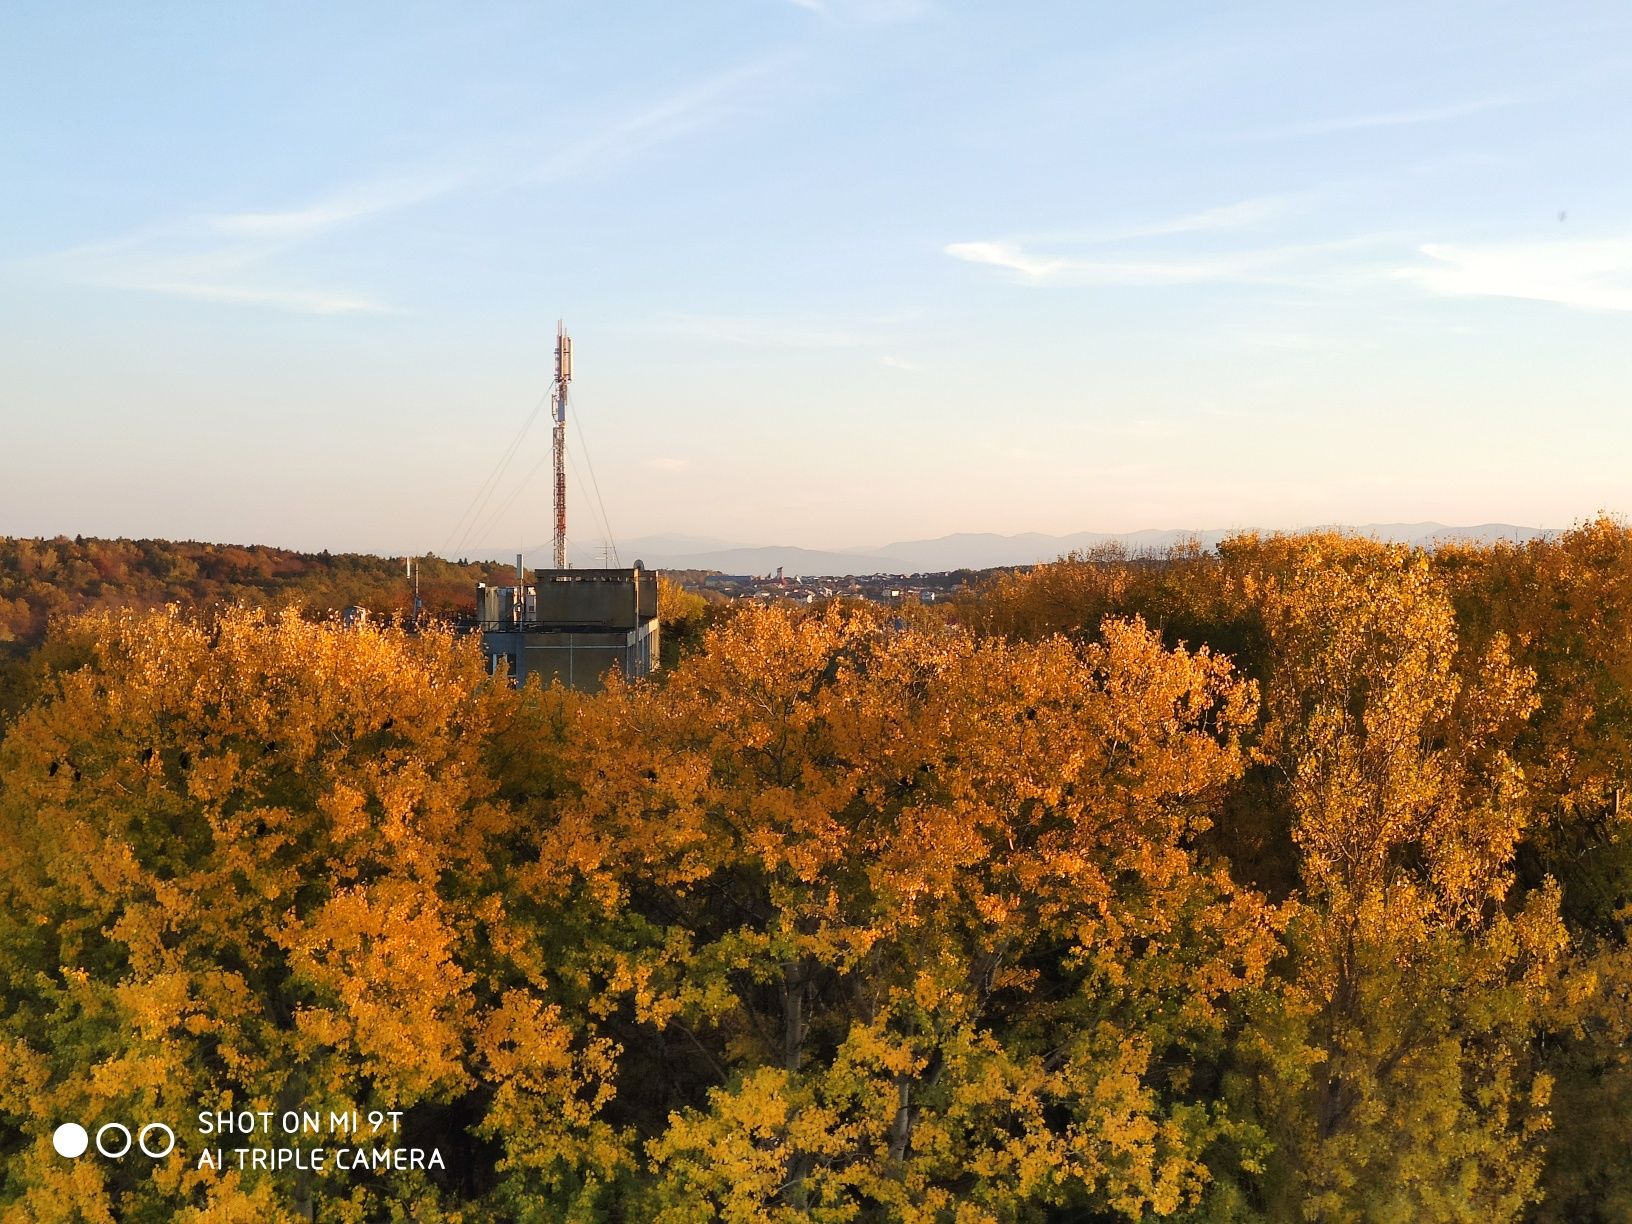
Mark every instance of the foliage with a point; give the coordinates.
(924, 904)
(45, 579)
(684, 616)
(251, 864)
(1284, 882)
(1416, 977)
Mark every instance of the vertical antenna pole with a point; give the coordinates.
(563, 375)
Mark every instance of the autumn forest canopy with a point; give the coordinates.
(1284, 882)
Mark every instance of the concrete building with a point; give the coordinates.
(572, 625)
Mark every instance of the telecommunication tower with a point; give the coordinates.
(563, 376)
(570, 625)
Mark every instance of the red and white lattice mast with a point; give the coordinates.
(563, 375)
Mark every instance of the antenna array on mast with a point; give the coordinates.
(563, 376)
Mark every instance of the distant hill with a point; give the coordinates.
(970, 550)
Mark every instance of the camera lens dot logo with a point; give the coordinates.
(115, 1140)
(70, 1140)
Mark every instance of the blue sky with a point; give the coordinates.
(838, 271)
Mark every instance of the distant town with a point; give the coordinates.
(808, 589)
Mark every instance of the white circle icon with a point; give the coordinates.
(70, 1140)
(170, 1136)
(113, 1126)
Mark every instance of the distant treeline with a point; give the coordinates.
(40, 579)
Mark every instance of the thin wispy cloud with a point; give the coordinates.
(1009, 256)
(1240, 215)
(666, 464)
(665, 120)
(1024, 258)
(179, 263)
(354, 203)
(181, 260)
(1243, 214)
(1124, 260)
(1037, 269)
(1383, 119)
(1587, 273)
(246, 257)
(301, 301)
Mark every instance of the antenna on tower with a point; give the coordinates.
(563, 376)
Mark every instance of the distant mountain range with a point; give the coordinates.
(985, 550)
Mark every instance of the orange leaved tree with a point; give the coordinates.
(257, 863)
(906, 924)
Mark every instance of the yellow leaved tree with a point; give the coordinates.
(254, 863)
(1403, 1086)
(908, 924)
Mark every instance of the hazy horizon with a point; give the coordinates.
(939, 554)
(837, 271)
